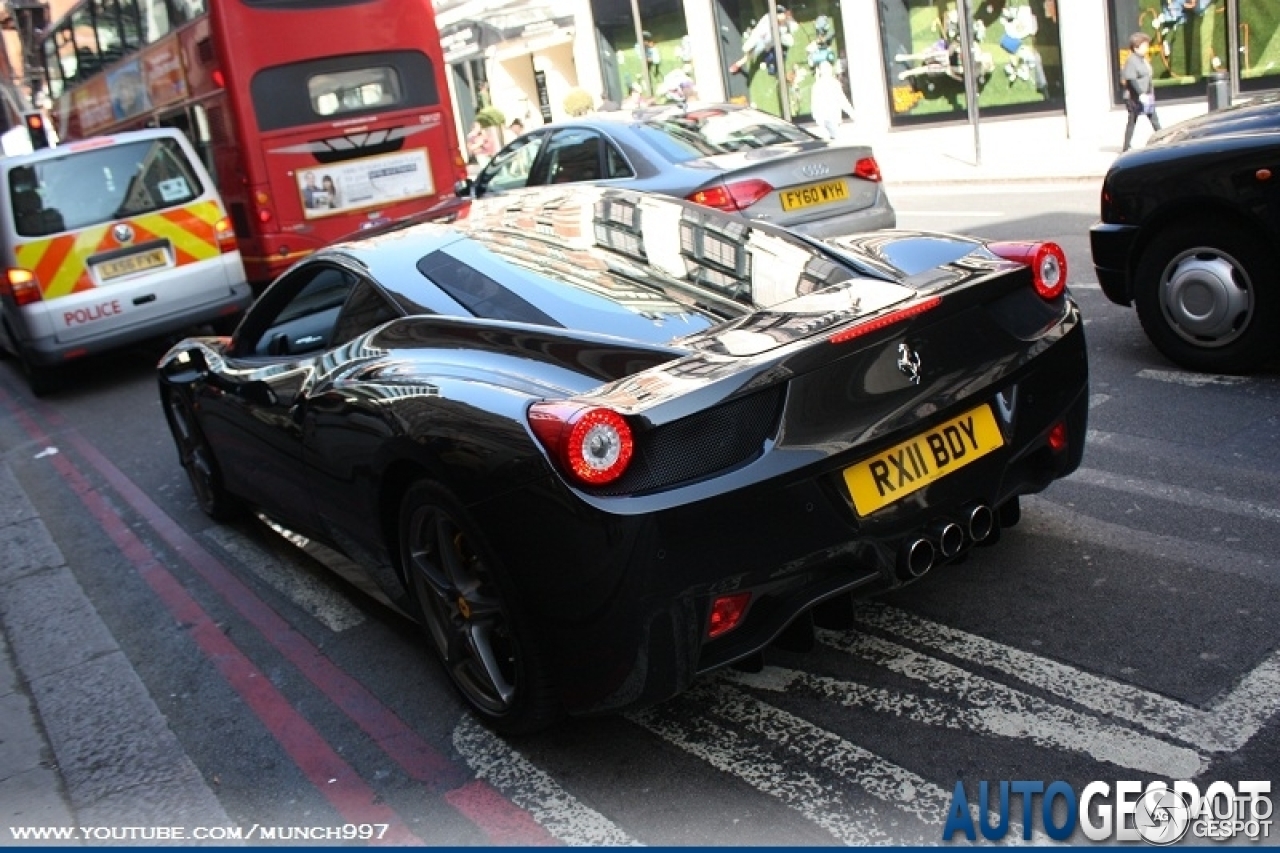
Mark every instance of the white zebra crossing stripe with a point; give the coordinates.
(1227, 726)
(530, 788)
(328, 606)
(727, 751)
(1002, 710)
(880, 778)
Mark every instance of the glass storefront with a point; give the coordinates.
(1259, 44)
(1188, 41)
(666, 49)
(1017, 56)
(810, 33)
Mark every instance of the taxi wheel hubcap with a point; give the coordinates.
(1207, 297)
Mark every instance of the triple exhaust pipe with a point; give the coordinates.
(945, 539)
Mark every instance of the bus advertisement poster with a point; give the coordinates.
(128, 90)
(370, 181)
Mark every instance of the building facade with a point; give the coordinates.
(899, 60)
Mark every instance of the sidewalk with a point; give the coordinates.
(69, 696)
(1024, 149)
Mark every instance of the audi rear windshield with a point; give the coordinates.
(96, 185)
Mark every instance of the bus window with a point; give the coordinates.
(107, 18)
(86, 38)
(130, 24)
(187, 10)
(358, 89)
(155, 19)
(53, 69)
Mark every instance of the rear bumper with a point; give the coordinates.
(48, 351)
(621, 601)
(1112, 247)
(874, 218)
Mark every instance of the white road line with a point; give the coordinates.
(1084, 285)
(727, 751)
(1096, 400)
(556, 810)
(1002, 710)
(880, 778)
(1193, 380)
(963, 214)
(328, 606)
(1225, 727)
(1175, 494)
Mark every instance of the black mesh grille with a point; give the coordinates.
(701, 444)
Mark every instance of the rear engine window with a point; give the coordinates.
(97, 185)
(706, 132)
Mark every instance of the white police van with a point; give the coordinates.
(109, 241)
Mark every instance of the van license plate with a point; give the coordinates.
(910, 466)
(117, 267)
(814, 194)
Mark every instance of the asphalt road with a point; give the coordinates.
(1124, 630)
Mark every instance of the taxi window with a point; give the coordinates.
(97, 185)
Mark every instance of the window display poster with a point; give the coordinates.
(1259, 44)
(1017, 57)
(1188, 41)
(385, 179)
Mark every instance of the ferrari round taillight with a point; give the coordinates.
(1047, 261)
(592, 444)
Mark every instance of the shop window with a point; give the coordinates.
(1017, 58)
(1188, 41)
(810, 34)
(665, 48)
(1259, 44)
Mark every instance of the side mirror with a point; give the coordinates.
(463, 188)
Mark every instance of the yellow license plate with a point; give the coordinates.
(910, 466)
(814, 194)
(117, 267)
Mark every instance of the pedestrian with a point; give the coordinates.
(1139, 86)
(480, 144)
(516, 127)
(828, 100)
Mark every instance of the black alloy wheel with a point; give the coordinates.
(1208, 298)
(469, 616)
(198, 460)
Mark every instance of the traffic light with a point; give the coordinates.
(37, 130)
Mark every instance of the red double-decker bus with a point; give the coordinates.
(316, 117)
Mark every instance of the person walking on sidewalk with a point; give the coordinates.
(829, 102)
(1139, 86)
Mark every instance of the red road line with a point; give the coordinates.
(336, 780)
(498, 819)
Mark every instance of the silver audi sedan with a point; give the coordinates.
(729, 157)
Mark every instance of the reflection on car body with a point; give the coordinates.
(601, 442)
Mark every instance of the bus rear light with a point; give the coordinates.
(868, 169)
(21, 285)
(733, 196)
(225, 234)
(726, 613)
(1047, 261)
(219, 79)
(874, 324)
(590, 443)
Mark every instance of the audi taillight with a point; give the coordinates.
(22, 285)
(874, 324)
(733, 196)
(1047, 261)
(868, 169)
(590, 443)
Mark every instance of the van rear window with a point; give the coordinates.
(96, 185)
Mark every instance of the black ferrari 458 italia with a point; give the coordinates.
(602, 442)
